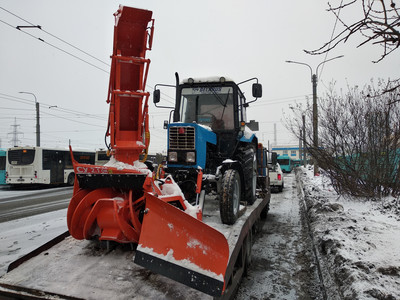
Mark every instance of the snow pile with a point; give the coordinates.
(170, 188)
(357, 241)
(21, 236)
(205, 127)
(137, 166)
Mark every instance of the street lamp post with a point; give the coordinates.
(314, 79)
(37, 118)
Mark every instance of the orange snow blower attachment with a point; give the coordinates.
(123, 201)
(107, 200)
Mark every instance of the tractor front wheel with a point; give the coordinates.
(230, 197)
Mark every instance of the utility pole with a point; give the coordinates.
(314, 79)
(315, 119)
(37, 118)
(300, 146)
(304, 141)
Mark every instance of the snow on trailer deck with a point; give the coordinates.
(81, 269)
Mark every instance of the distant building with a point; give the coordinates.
(289, 150)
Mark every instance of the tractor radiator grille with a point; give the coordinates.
(182, 138)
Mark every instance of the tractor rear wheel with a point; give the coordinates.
(229, 201)
(247, 157)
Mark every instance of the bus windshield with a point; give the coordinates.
(210, 106)
(284, 161)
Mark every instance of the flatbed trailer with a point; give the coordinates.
(66, 268)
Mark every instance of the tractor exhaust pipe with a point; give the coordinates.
(176, 111)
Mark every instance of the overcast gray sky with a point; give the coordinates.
(236, 39)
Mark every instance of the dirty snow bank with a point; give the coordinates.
(358, 240)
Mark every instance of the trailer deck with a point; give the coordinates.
(82, 269)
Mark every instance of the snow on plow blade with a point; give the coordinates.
(176, 245)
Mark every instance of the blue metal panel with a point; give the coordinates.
(203, 136)
(247, 137)
(3, 164)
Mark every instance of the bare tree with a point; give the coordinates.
(359, 134)
(379, 25)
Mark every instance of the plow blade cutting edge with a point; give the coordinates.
(176, 245)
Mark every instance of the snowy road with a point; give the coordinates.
(282, 265)
(16, 204)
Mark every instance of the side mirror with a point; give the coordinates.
(156, 96)
(274, 158)
(257, 90)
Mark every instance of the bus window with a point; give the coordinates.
(84, 157)
(2, 163)
(21, 157)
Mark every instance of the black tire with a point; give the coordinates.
(248, 244)
(71, 179)
(247, 157)
(280, 188)
(229, 201)
(264, 212)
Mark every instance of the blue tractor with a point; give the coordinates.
(209, 138)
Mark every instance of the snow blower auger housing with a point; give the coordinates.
(123, 201)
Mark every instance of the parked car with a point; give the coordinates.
(276, 177)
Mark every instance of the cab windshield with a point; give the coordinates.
(210, 106)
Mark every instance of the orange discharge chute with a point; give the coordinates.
(122, 201)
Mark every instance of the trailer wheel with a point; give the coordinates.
(229, 201)
(71, 179)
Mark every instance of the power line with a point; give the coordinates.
(56, 37)
(69, 44)
(330, 41)
(65, 42)
(30, 102)
(279, 100)
(51, 45)
(80, 122)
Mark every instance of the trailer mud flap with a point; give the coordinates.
(176, 245)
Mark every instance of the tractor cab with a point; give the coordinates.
(214, 107)
(215, 104)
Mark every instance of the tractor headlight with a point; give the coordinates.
(173, 157)
(190, 157)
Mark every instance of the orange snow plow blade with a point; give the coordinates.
(177, 245)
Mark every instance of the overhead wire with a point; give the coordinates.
(49, 44)
(69, 44)
(281, 100)
(330, 41)
(43, 105)
(56, 37)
